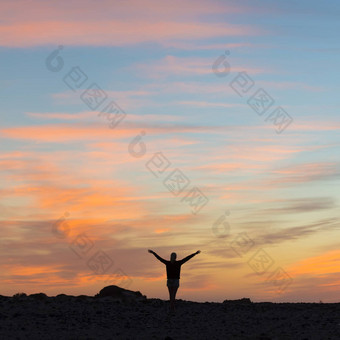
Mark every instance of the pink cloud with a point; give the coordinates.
(63, 115)
(210, 104)
(315, 126)
(93, 115)
(172, 65)
(40, 10)
(219, 47)
(287, 85)
(110, 33)
(110, 23)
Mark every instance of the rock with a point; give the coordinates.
(244, 301)
(120, 294)
(81, 298)
(20, 295)
(64, 297)
(38, 296)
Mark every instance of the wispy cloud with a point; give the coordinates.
(305, 172)
(326, 263)
(186, 66)
(67, 133)
(111, 24)
(302, 205)
(299, 232)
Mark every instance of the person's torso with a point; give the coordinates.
(173, 270)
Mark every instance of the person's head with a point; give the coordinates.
(173, 257)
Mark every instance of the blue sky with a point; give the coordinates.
(155, 60)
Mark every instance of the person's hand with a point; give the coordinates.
(150, 251)
(198, 251)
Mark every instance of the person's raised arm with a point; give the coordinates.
(189, 257)
(157, 257)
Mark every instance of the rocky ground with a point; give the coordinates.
(67, 317)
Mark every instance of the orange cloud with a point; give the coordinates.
(62, 133)
(67, 133)
(160, 231)
(113, 202)
(31, 270)
(46, 183)
(326, 263)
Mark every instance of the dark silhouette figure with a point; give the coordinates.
(173, 269)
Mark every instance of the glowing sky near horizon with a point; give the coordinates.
(59, 158)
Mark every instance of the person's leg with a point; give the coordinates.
(175, 292)
(169, 288)
(172, 298)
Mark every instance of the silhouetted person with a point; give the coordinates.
(173, 269)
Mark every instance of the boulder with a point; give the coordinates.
(121, 294)
(244, 301)
(20, 295)
(82, 298)
(38, 296)
(64, 297)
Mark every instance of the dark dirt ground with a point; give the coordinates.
(67, 317)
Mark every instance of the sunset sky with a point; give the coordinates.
(225, 140)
